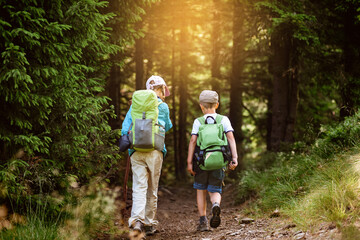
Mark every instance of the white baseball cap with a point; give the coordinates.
(157, 81)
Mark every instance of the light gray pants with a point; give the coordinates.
(146, 170)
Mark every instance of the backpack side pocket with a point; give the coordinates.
(159, 137)
(143, 133)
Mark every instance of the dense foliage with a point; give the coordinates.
(287, 71)
(311, 184)
(54, 61)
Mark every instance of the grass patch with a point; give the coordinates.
(350, 233)
(37, 224)
(87, 215)
(311, 185)
(334, 195)
(35, 229)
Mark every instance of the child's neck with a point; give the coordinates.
(209, 111)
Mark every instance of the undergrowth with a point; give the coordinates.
(317, 184)
(88, 213)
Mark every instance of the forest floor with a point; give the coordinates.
(178, 218)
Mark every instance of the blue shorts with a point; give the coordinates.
(209, 180)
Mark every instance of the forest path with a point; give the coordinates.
(178, 218)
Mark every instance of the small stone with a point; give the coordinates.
(299, 235)
(247, 220)
(332, 226)
(291, 225)
(275, 213)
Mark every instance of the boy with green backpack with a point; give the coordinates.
(212, 147)
(146, 123)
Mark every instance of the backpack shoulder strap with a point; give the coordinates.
(219, 118)
(201, 120)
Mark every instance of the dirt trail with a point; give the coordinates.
(178, 218)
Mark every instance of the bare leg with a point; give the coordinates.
(215, 209)
(215, 197)
(201, 201)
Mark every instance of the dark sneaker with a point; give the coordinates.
(150, 230)
(202, 227)
(215, 219)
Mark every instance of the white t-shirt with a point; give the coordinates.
(225, 122)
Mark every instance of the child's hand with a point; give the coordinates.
(233, 164)
(190, 169)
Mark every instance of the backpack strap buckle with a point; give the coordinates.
(206, 120)
(226, 153)
(200, 157)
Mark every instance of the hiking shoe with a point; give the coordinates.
(150, 230)
(202, 227)
(215, 219)
(137, 231)
(138, 226)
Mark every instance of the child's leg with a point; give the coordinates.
(201, 201)
(215, 189)
(140, 185)
(154, 163)
(215, 197)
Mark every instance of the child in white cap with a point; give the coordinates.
(146, 166)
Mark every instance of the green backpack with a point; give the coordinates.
(146, 134)
(213, 151)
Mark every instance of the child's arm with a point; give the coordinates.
(191, 150)
(126, 123)
(231, 140)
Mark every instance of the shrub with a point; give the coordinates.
(292, 175)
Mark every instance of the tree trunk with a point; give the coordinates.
(284, 65)
(149, 50)
(351, 85)
(268, 122)
(183, 108)
(215, 63)
(236, 88)
(139, 59)
(113, 85)
(173, 111)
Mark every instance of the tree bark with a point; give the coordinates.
(216, 44)
(215, 64)
(351, 85)
(284, 68)
(173, 112)
(236, 81)
(149, 50)
(183, 108)
(139, 59)
(113, 85)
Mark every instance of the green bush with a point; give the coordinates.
(291, 175)
(54, 61)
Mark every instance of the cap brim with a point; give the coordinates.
(167, 92)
